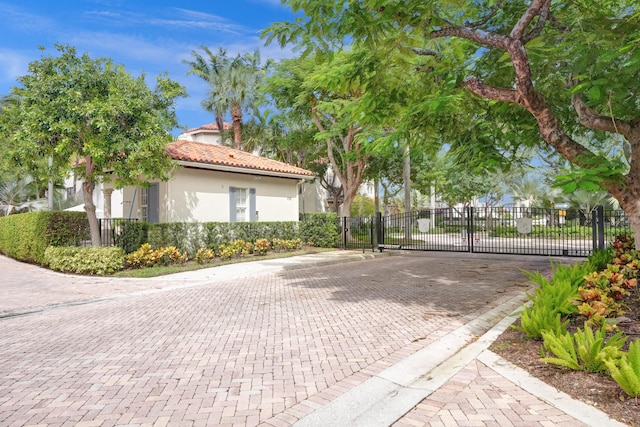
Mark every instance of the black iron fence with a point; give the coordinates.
(111, 231)
(529, 231)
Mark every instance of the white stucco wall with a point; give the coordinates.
(203, 195)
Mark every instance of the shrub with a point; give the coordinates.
(236, 248)
(320, 229)
(131, 235)
(600, 258)
(89, 260)
(584, 350)
(286, 245)
(171, 255)
(261, 247)
(146, 256)
(204, 255)
(601, 295)
(551, 300)
(626, 370)
(26, 236)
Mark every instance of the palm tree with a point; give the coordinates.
(16, 196)
(587, 201)
(527, 190)
(233, 82)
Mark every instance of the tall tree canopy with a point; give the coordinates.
(558, 73)
(234, 84)
(92, 114)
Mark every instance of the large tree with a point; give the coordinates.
(93, 115)
(234, 84)
(303, 85)
(567, 69)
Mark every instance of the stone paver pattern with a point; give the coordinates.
(478, 396)
(261, 350)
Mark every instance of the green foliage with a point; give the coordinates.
(75, 107)
(192, 236)
(320, 229)
(67, 228)
(594, 174)
(26, 236)
(551, 300)
(86, 260)
(541, 317)
(233, 81)
(600, 258)
(584, 350)
(626, 370)
(131, 235)
(362, 206)
(562, 346)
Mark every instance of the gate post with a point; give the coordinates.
(600, 211)
(594, 230)
(470, 228)
(344, 232)
(378, 233)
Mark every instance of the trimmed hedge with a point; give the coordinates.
(190, 237)
(89, 260)
(26, 236)
(320, 229)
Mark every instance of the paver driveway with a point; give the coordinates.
(264, 349)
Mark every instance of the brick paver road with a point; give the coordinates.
(262, 350)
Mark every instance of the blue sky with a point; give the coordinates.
(150, 36)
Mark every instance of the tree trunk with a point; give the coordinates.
(89, 207)
(236, 119)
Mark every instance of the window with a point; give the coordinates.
(144, 204)
(242, 204)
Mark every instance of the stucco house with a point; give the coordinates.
(212, 183)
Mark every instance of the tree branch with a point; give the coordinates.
(594, 120)
(479, 36)
(543, 16)
(480, 88)
(525, 20)
(425, 52)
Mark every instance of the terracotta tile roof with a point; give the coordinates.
(210, 154)
(209, 126)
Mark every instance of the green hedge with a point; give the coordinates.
(192, 236)
(89, 260)
(316, 229)
(26, 236)
(320, 229)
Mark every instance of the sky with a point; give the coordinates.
(150, 36)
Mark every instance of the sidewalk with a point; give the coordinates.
(314, 340)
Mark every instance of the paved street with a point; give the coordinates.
(245, 345)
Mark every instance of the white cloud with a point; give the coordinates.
(21, 20)
(13, 64)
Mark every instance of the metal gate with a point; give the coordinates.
(523, 231)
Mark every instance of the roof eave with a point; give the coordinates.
(250, 171)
